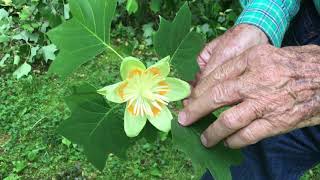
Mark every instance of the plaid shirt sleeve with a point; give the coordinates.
(271, 16)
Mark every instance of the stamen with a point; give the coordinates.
(145, 93)
(136, 106)
(142, 108)
(131, 101)
(149, 109)
(155, 104)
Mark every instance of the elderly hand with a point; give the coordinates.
(229, 45)
(274, 91)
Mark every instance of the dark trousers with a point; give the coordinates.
(287, 156)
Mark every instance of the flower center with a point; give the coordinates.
(145, 92)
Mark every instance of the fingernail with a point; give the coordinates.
(225, 143)
(182, 118)
(204, 140)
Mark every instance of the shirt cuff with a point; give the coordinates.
(272, 17)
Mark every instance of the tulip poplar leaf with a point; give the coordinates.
(182, 44)
(83, 37)
(98, 126)
(217, 160)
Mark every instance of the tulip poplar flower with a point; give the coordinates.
(147, 92)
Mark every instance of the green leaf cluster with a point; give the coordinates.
(23, 25)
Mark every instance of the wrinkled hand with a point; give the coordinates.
(229, 45)
(274, 91)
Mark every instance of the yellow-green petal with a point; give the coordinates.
(161, 68)
(178, 89)
(130, 64)
(133, 125)
(111, 92)
(162, 121)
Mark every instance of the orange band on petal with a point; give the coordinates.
(131, 109)
(134, 72)
(163, 83)
(164, 90)
(121, 88)
(155, 111)
(154, 71)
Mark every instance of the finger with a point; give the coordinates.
(195, 82)
(185, 102)
(263, 128)
(254, 132)
(206, 53)
(229, 70)
(313, 121)
(304, 110)
(198, 75)
(304, 49)
(233, 44)
(230, 121)
(220, 95)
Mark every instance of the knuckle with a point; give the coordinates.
(247, 136)
(217, 91)
(287, 124)
(208, 48)
(256, 109)
(227, 120)
(195, 92)
(220, 72)
(260, 50)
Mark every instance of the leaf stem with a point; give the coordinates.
(114, 51)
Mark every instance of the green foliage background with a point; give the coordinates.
(32, 107)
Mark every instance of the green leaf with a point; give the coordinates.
(217, 159)
(66, 11)
(83, 37)
(33, 53)
(3, 13)
(66, 142)
(25, 13)
(98, 126)
(12, 177)
(180, 43)
(23, 70)
(147, 30)
(19, 166)
(48, 52)
(16, 59)
(155, 5)
(4, 38)
(132, 6)
(4, 59)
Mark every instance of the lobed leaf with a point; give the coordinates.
(83, 37)
(175, 39)
(217, 159)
